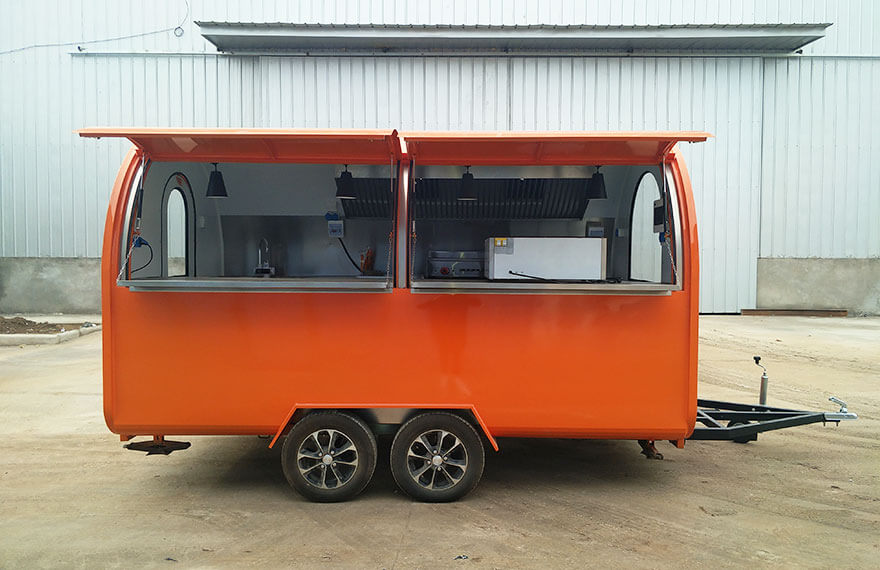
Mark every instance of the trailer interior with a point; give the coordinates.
(332, 226)
(281, 222)
(461, 213)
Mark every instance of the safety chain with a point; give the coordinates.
(127, 260)
(667, 238)
(671, 257)
(389, 278)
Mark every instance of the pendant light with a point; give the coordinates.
(466, 192)
(596, 185)
(345, 186)
(216, 187)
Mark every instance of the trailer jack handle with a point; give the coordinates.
(762, 397)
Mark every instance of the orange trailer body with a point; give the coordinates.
(610, 366)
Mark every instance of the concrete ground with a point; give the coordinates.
(803, 497)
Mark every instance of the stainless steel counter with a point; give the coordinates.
(539, 287)
(285, 284)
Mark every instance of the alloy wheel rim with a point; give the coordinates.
(327, 459)
(436, 460)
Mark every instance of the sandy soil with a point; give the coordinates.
(21, 325)
(804, 497)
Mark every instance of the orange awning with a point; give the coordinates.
(594, 148)
(260, 145)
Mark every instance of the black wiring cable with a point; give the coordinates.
(535, 277)
(348, 255)
(148, 261)
(591, 281)
(174, 29)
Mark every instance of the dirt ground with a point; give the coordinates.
(803, 497)
(21, 325)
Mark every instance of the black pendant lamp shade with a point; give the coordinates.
(216, 187)
(596, 186)
(345, 186)
(466, 192)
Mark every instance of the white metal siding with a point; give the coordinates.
(403, 93)
(819, 134)
(821, 171)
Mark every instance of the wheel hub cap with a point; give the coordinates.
(327, 459)
(437, 460)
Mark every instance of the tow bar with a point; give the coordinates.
(745, 421)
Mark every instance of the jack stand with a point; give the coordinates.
(158, 446)
(648, 449)
(762, 395)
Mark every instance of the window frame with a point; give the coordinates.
(516, 287)
(632, 211)
(189, 248)
(194, 283)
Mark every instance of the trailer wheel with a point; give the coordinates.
(437, 457)
(744, 439)
(329, 456)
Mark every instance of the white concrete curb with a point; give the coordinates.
(19, 339)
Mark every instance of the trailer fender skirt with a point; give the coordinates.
(469, 407)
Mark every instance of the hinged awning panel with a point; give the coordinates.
(260, 145)
(545, 148)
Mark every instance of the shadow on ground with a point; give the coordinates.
(236, 463)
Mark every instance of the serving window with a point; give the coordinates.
(252, 226)
(607, 229)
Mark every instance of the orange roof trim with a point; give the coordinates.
(465, 148)
(260, 145)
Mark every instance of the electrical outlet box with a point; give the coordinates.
(336, 228)
(659, 216)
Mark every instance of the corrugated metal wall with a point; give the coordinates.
(789, 131)
(821, 147)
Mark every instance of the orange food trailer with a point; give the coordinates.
(321, 287)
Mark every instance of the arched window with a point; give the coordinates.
(176, 234)
(646, 250)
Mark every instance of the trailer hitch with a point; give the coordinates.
(158, 446)
(745, 421)
(841, 414)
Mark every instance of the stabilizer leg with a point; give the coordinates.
(158, 446)
(648, 449)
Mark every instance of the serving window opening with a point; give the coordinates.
(235, 226)
(543, 228)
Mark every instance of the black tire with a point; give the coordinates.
(344, 439)
(426, 479)
(744, 439)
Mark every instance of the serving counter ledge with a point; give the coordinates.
(257, 284)
(538, 287)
